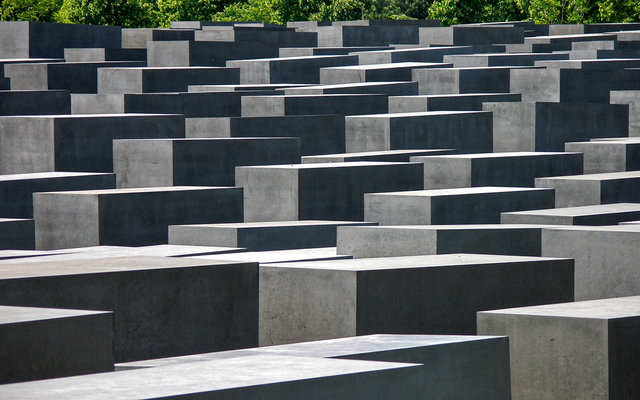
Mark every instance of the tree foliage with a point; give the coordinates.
(29, 10)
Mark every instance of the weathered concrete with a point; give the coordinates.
(608, 156)
(340, 104)
(607, 214)
(388, 88)
(374, 72)
(464, 80)
(45, 343)
(470, 34)
(571, 350)
(501, 59)
(385, 155)
(29, 102)
(632, 98)
(102, 54)
(281, 256)
(17, 234)
(447, 102)
(420, 54)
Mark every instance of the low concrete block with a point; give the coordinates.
(388, 88)
(338, 298)
(209, 305)
(608, 156)
(339, 104)
(45, 343)
(281, 256)
(632, 98)
(479, 205)
(464, 80)
(28, 102)
(319, 191)
(17, 234)
(374, 72)
(102, 54)
(386, 155)
(571, 350)
(606, 214)
(129, 217)
(471, 34)
(420, 54)
(501, 59)
(447, 102)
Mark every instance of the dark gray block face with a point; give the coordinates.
(183, 53)
(414, 240)
(468, 35)
(501, 59)
(386, 155)
(573, 350)
(319, 191)
(260, 376)
(45, 343)
(27, 102)
(129, 217)
(281, 256)
(606, 214)
(463, 80)
(372, 35)
(388, 88)
(74, 77)
(287, 70)
(447, 102)
(39, 39)
(16, 190)
(102, 54)
(421, 54)
(157, 79)
(340, 104)
(606, 258)
(374, 72)
(605, 156)
(632, 98)
(258, 88)
(480, 205)
(319, 134)
(209, 305)
(328, 299)
(176, 162)
(592, 189)
(327, 51)
(261, 236)
(465, 131)
(17, 234)
(540, 126)
(75, 142)
(496, 169)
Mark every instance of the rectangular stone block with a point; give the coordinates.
(159, 79)
(185, 162)
(28, 102)
(258, 88)
(414, 240)
(386, 155)
(562, 38)
(571, 350)
(17, 233)
(465, 131)
(184, 53)
(495, 169)
(341, 104)
(261, 236)
(338, 298)
(542, 126)
(420, 54)
(129, 217)
(608, 156)
(464, 80)
(320, 191)
(391, 72)
(208, 305)
(447, 102)
(479, 205)
(590, 64)
(45, 343)
(281, 256)
(467, 35)
(371, 35)
(592, 189)
(606, 258)
(326, 51)
(388, 88)
(501, 59)
(102, 54)
(75, 142)
(606, 214)
(319, 134)
(632, 98)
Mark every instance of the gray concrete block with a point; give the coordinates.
(632, 98)
(420, 54)
(501, 59)
(465, 131)
(391, 72)
(496, 169)
(16, 190)
(338, 298)
(542, 126)
(327, 51)
(606, 214)
(75, 142)
(370, 35)
(45, 343)
(464, 80)
(592, 189)
(470, 34)
(129, 217)
(607, 64)
(81, 77)
(319, 134)
(184, 53)
(388, 88)
(261, 376)
(287, 70)
(608, 156)
(338, 104)
(447, 102)
(320, 191)
(261, 236)
(413, 240)
(562, 37)
(208, 305)
(606, 258)
(478, 205)
(281, 256)
(270, 88)
(28, 102)
(102, 54)
(571, 350)
(17, 233)
(204, 162)
(386, 155)
(158, 79)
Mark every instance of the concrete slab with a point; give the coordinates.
(447, 102)
(390, 72)
(388, 88)
(385, 155)
(29, 102)
(17, 233)
(604, 156)
(280, 256)
(341, 104)
(419, 54)
(464, 80)
(606, 214)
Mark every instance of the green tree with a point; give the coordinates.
(469, 11)
(29, 10)
(125, 13)
(188, 10)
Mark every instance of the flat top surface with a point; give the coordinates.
(596, 177)
(319, 96)
(85, 116)
(465, 227)
(600, 209)
(387, 66)
(415, 114)
(377, 153)
(101, 265)
(328, 165)
(458, 191)
(342, 347)
(416, 50)
(388, 263)
(453, 95)
(192, 378)
(498, 67)
(274, 224)
(503, 55)
(167, 68)
(629, 228)
(48, 175)
(12, 315)
(139, 190)
(620, 307)
(258, 60)
(357, 84)
(279, 256)
(8, 220)
(502, 155)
